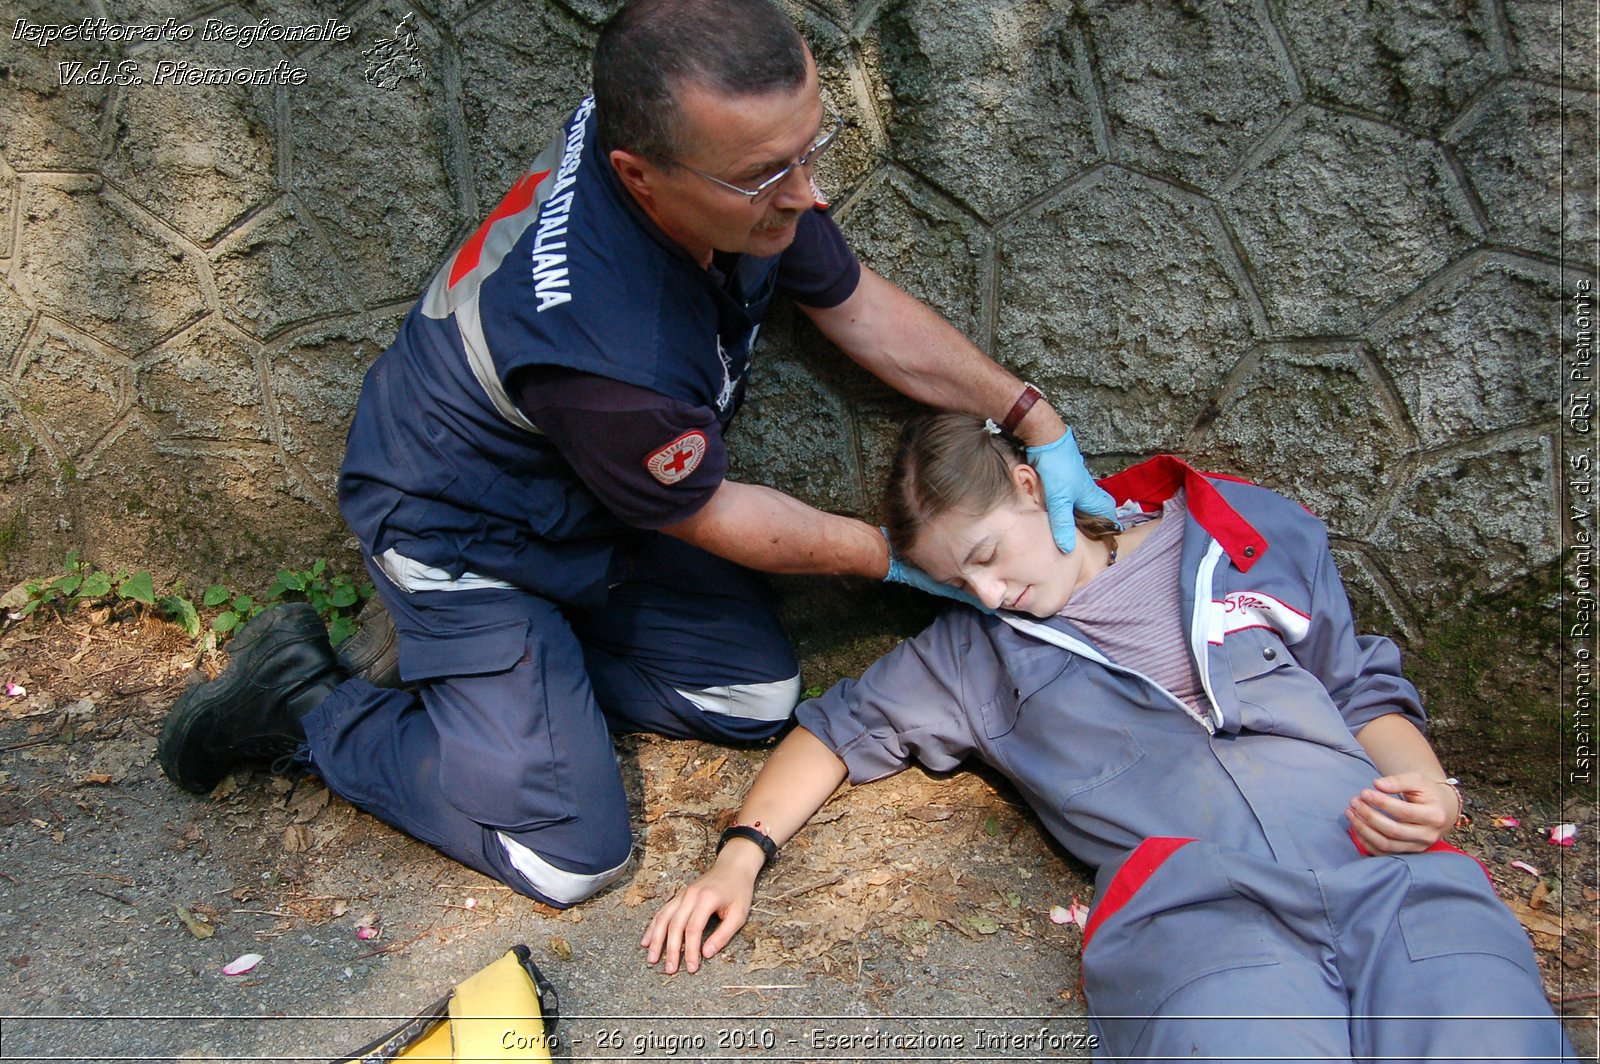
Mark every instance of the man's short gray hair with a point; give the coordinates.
(652, 48)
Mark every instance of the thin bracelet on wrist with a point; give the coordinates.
(1462, 819)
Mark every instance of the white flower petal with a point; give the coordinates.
(240, 965)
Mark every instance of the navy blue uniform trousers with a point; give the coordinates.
(502, 757)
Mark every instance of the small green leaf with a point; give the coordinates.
(183, 612)
(139, 587)
(341, 629)
(69, 584)
(216, 595)
(343, 595)
(72, 559)
(291, 581)
(243, 603)
(991, 826)
(983, 923)
(367, 591)
(1013, 899)
(225, 622)
(319, 566)
(95, 585)
(197, 927)
(31, 606)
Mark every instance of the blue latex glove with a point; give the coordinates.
(904, 573)
(1068, 487)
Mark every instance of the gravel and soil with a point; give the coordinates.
(912, 919)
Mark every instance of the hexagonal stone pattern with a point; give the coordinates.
(15, 319)
(793, 433)
(1414, 61)
(86, 259)
(1342, 217)
(203, 384)
(921, 244)
(315, 379)
(1374, 603)
(372, 167)
(17, 446)
(8, 206)
(1315, 243)
(878, 421)
(198, 158)
(75, 389)
(595, 11)
(1118, 300)
(1553, 40)
(524, 68)
(45, 124)
(1511, 147)
(275, 271)
(986, 99)
(1313, 424)
(852, 90)
(1480, 356)
(1437, 557)
(1187, 87)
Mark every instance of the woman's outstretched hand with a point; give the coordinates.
(1404, 813)
(725, 892)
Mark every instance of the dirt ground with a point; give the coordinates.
(920, 906)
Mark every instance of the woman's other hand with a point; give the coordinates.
(725, 892)
(1404, 813)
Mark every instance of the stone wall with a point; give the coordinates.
(1319, 245)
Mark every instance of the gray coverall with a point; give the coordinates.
(1235, 917)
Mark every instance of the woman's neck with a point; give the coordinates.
(1102, 554)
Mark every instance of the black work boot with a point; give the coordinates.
(280, 667)
(373, 653)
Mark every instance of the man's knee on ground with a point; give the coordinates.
(749, 711)
(571, 881)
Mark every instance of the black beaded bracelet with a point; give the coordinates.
(755, 835)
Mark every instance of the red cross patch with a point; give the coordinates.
(679, 458)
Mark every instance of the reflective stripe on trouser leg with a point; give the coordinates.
(409, 574)
(690, 645)
(563, 887)
(751, 701)
(502, 740)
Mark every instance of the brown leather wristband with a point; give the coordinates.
(1019, 409)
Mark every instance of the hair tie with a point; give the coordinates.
(990, 427)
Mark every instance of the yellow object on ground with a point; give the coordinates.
(507, 1011)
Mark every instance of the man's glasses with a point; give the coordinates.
(764, 189)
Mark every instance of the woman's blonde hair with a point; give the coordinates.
(955, 463)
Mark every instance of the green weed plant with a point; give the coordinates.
(336, 598)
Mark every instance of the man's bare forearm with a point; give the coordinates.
(766, 530)
(917, 352)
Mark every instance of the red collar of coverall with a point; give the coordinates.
(1154, 481)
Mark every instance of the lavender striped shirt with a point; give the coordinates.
(1133, 611)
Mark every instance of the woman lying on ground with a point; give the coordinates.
(1188, 708)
